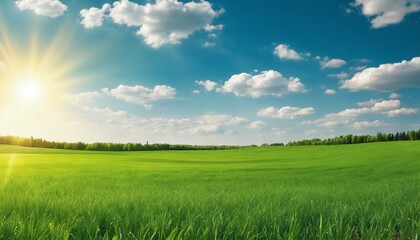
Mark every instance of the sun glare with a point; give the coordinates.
(29, 91)
(36, 71)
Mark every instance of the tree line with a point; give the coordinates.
(42, 143)
(344, 139)
(356, 139)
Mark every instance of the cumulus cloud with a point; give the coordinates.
(329, 91)
(287, 112)
(278, 133)
(266, 83)
(358, 68)
(160, 23)
(256, 125)
(394, 95)
(386, 77)
(213, 124)
(346, 117)
(208, 124)
(49, 8)
(331, 63)
(296, 86)
(385, 105)
(284, 51)
(333, 123)
(208, 85)
(366, 124)
(402, 111)
(370, 102)
(93, 17)
(105, 111)
(374, 108)
(141, 95)
(81, 98)
(386, 12)
(212, 28)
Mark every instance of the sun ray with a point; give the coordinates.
(9, 168)
(6, 48)
(33, 50)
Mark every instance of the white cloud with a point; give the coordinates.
(370, 102)
(358, 68)
(332, 124)
(266, 83)
(105, 111)
(93, 17)
(332, 63)
(121, 121)
(285, 112)
(307, 122)
(402, 111)
(81, 98)
(345, 117)
(349, 113)
(394, 95)
(141, 95)
(284, 51)
(256, 125)
(386, 12)
(213, 124)
(279, 133)
(50, 8)
(386, 77)
(366, 124)
(329, 91)
(212, 35)
(212, 28)
(209, 44)
(342, 75)
(195, 91)
(166, 21)
(208, 85)
(385, 105)
(296, 86)
(213, 32)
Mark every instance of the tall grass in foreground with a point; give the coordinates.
(369, 191)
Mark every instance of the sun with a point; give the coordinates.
(29, 91)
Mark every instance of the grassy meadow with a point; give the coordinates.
(363, 191)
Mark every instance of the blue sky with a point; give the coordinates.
(209, 72)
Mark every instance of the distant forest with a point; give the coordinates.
(42, 143)
(346, 139)
(356, 139)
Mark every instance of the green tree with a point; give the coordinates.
(379, 137)
(412, 135)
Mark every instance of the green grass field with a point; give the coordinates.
(366, 191)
